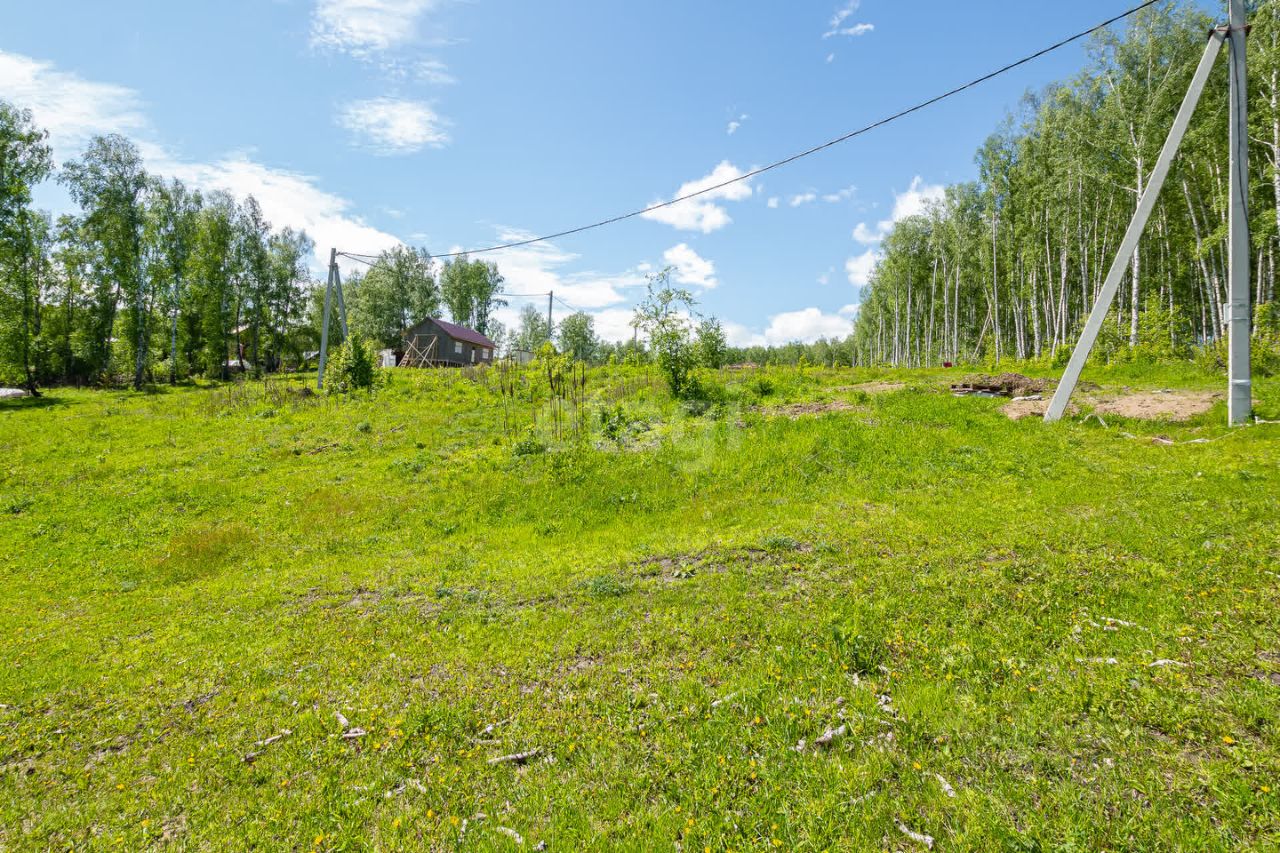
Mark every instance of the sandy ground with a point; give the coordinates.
(1159, 405)
(796, 410)
(1145, 405)
(874, 387)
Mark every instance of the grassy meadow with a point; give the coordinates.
(813, 614)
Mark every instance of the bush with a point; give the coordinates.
(351, 368)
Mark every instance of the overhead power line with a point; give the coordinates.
(817, 148)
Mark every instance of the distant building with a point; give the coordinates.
(435, 343)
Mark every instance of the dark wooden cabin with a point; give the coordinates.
(435, 343)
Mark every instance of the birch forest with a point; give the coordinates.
(1008, 266)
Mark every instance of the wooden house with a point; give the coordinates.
(435, 343)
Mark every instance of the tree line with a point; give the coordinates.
(152, 280)
(155, 281)
(1009, 265)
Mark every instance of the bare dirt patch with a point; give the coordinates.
(874, 387)
(796, 410)
(1016, 410)
(1158, 405)
(1143, 405)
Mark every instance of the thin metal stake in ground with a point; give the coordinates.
(1058, 405)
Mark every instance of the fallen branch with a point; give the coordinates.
(512, 834)
(516, 757)
(252, 756)
(926, 840)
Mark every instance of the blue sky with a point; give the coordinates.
(451, 124)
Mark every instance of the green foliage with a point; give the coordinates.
(1162, 334)
(351, 368)
(605, 586)
(711, 344)
(471, 290)
(578, 337)
(533, 333)
(397, 292)
(110, 183)
(663, 317)
(1006, 268)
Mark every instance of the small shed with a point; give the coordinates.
(436, 343)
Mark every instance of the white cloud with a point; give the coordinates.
(393, 125)
(860, 267)
(803, 198)
(913, 202)
(538, 269)
(691, 268)
(840, 195)
(918, 197)
(831, 57)
(287, 198)
(71, 108)
(854, 31)
(773, 202)
(433, 71)
(806, 325)
(702, 213)
(837, 25)
(74, 110)
(365, 27)
(844, 12)
(737, 123)
(614, 324)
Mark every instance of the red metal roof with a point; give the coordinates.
(462, 333)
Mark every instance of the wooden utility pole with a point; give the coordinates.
(550, 328)
(1240, 399)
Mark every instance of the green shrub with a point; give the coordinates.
(351, 368)
(605, 586)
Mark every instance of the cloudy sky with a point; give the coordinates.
(454, 124)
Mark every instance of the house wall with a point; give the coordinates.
(449, 350)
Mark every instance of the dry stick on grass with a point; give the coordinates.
(516, 757)
(926, 840)
(252, 756)
(512, 834)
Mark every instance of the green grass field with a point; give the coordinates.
(240, 617)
